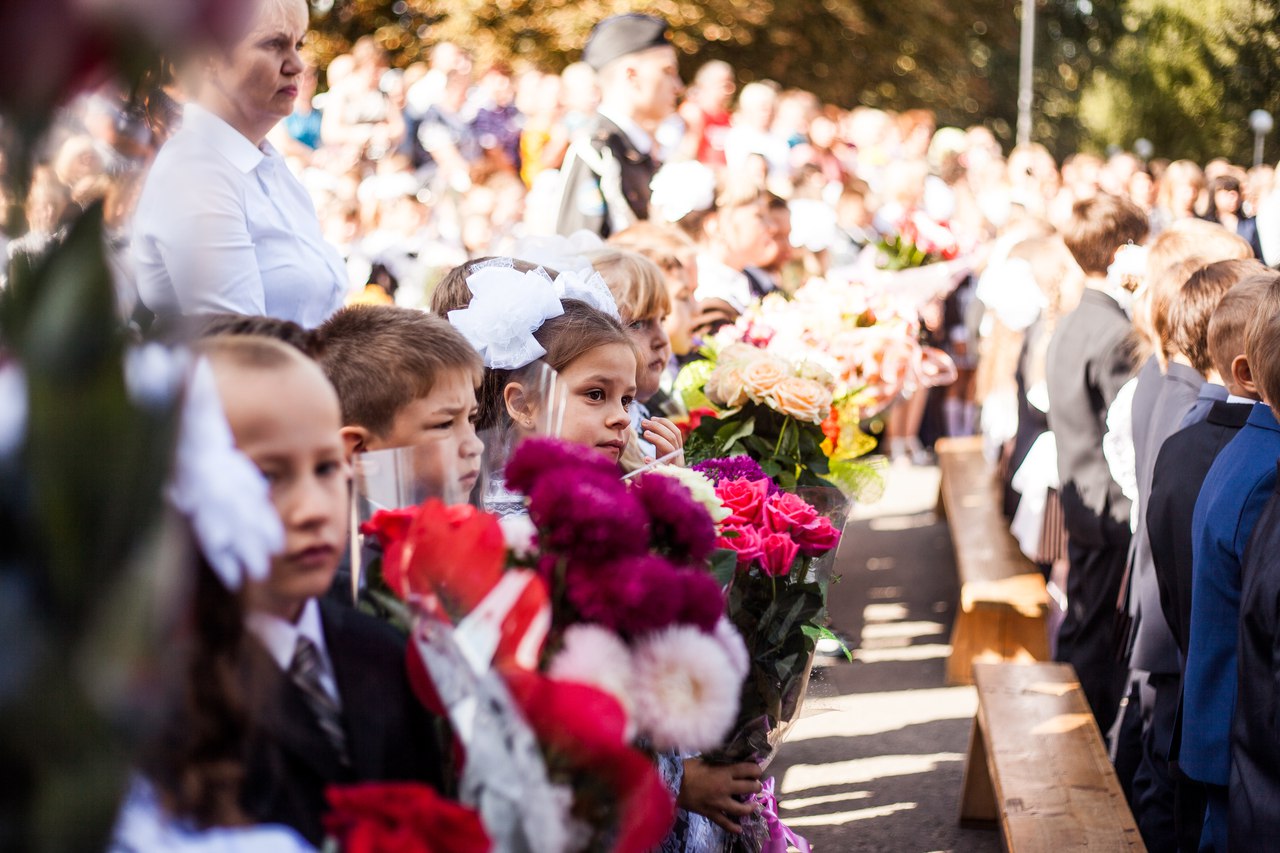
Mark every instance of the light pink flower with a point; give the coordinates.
(596, 656)
(686, 689)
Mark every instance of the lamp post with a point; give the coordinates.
(1261, 123)
(1025, 67)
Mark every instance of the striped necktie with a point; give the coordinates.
(305, 672)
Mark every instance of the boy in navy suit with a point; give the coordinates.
(332, 701)
(1231, 499)
(1210, 341)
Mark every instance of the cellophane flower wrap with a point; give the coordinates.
(777, 592)
(599, 614)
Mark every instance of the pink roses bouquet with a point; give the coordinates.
(777, 599)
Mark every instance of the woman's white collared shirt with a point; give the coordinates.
(223, 226)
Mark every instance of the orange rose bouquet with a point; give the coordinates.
(764, 406)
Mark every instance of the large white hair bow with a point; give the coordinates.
(589, 288)
(679, 189)
(560, 253)
(507, 307)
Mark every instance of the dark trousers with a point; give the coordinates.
(1126, 745)
(1086, 638)
(1153, 786)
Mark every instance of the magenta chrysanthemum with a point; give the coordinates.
(536, 457)
(632, 596)
(587, 517)
(679, 526)
(740, 467)
(701, 600)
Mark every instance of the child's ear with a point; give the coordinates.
(355, 439)
(518, 404)
(1242, 375)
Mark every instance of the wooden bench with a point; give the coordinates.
(1037, 764)
(1004, 606)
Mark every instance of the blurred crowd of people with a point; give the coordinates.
(413, 171)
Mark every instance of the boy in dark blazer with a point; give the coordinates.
(1254, 799)
(1210, 337)
(1231, 499)
(330, 693)
(1089, 359)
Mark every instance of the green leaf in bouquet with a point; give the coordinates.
(724, 565)
(96, 460)
(690, 382)
(814, 633)
(731, 432)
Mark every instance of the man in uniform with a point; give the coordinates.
(605, 185)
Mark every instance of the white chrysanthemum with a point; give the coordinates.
(596, 656)
(686, 689)
(700, 487)
(520, 534)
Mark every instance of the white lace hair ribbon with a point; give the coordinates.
(559, 253)
(507, 307)
(589, 288)
(679, 189)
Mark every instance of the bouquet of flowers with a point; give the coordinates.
(865, 337)
(400, 817)
(746, 400)
(777, 593)
(917, 241)
(556, 640)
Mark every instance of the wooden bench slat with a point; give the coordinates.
(1004, 604)
(1053, 784)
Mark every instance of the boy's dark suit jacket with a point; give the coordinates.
(390, 736)
(1180, 469)
(1255, 742)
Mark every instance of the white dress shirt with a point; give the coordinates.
(280, 639)
(640, 138)
(223, 226)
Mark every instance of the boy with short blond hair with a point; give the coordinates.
(333, 704)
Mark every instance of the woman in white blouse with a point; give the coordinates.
(222, 225)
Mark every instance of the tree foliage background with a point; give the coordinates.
(1182, 73)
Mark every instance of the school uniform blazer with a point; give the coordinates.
(1231, 499)
(1154, 648)
(390, 736)
(605, 182)
(1088, 361)
(1255, 747)
(1181, 466)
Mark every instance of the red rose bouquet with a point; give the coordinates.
(401, 817)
